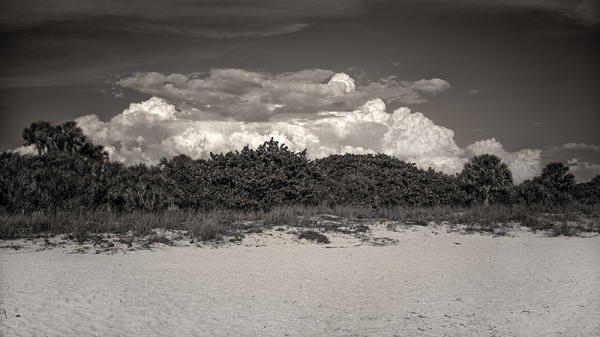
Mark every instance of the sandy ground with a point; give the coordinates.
(424, 282)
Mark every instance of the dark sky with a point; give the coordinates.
(524, 72)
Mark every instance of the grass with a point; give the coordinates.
(214, 225)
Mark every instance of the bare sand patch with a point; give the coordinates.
(422, 282)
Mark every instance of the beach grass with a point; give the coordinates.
(211, 225)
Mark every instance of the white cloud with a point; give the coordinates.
(147, 131)
(256, 96)
(343, 79)
(432, 86)
(156, 128)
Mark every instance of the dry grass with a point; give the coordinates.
(213, 225)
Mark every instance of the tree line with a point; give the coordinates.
(70, 173)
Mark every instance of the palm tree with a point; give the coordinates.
(39, 135)
(486, 176)
(73, 138)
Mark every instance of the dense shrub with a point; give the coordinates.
(71, 174)
(52, 181)
(380, 180)
(588, 193)
(553, 187)
(269, 176)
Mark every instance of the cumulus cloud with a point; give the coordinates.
(147, 131)
(156, 128)
(432, 86)
(256, 96)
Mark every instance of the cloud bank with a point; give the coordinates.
(227, 109)
(255, 96)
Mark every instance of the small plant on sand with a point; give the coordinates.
(282, 216)
(563, 229)
(207, 228)
(531, 222)
(157, 238)
(313, 236)
(421, 222)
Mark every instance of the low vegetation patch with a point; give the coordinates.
(139, 226)
(312, 235)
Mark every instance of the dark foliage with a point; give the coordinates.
(64, 138)
(588, 193)
(553, 187)
(71, 174)
(485, 178)
(313, 236)
(381, 180)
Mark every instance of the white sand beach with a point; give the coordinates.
(427, 283)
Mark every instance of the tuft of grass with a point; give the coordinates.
(282, 216)
(83, 225)
(313, 236)
(207, 228)
(531, 222)
(563, 229)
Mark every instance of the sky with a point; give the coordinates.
(432, 82)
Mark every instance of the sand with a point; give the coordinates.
(427, 283)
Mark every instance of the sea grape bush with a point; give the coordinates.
(554, 186)
(70, 173)
(588, 193)
(381, 180)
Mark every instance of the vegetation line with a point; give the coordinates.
(70, 185)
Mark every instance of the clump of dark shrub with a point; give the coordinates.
(361, 229)
(555, 186)
(588, 193)
(531, 222)
(381, 181)
(313, 236)
(563, 229)
(420, 222)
